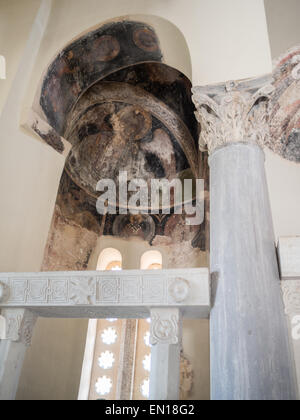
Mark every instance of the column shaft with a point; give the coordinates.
(250, 353)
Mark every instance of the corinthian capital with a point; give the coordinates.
(233, 112)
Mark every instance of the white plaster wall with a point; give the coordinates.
(14, 14)
(284, 188)
(52, 366)
(29, 176)
(29, 170)
(283, 24)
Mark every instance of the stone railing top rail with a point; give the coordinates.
(98, 294)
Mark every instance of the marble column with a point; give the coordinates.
(251, 357)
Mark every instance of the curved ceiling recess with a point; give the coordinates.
(90, 59)
(122, 109)
(120, 127)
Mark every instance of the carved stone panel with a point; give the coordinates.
(165, 326)
(19, 325)
(129, 294)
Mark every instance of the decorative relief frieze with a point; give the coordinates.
(126, 294)
(108, 290)
(131, 289)
(89, 289)
(58, 292)
(82, 291)
(19, 290)
(37, 291)
(291, 296)
(154, 289)
(233, 112)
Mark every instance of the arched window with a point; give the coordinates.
(109, 259)
(151, 260)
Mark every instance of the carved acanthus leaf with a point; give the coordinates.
(233, 112)
(82, 291)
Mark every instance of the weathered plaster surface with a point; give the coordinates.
(69, 245)
(285, 106)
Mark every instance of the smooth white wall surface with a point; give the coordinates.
(16, 18)
(283, 24)
(52, 366)
(29, 170)
(284, 187)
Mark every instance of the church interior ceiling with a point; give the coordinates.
(111, 96)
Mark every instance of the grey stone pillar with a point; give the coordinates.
(251, 357)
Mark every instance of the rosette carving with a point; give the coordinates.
(165, 328)
(179, 290)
